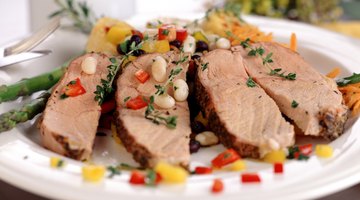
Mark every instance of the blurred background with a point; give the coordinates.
(20, 17)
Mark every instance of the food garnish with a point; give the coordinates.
(142, 76)
(93, 173)
(158, 117)
(250, 178)
(218, 186)
(170, 173)
(56, 162)
(114, 171)
(73, 89)
(238, 165)
(225, 158)
(323, 151)
(250, 82)
(275, 156)
(278, 168)
(294, 104)
(136, 103)
(203, 170)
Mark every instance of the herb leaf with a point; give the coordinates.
(354, 78)
(204, 66)
(250, 82)
(276, 72)
(294, 104)
(113, 171)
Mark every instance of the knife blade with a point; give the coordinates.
(16, 58)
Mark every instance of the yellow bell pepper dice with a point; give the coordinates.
(162, 46)
(148, 46)
(93, 173)
(238, 165)
(56, 162)
(117, 34)
(199, 36)
(170, 173)
(278, 156)
(323, 151)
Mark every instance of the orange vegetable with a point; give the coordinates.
(293, 42)
(225, 158)
(217, 186)
(334, 73)
(73, 89)
(203, 170)
(142, 76)
(136, 103)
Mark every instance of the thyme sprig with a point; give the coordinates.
(158, 117)
(79, 12)
(260, 51)
(250, 82)
(106, 84)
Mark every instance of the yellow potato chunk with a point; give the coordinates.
(117, 34)
(170, 173)
(238, 165)
(323, 151)
(93, 173)
(278, 156)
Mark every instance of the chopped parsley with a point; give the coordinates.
(165, 32)
(294, 104)
(60, 163)
(250, 82)
(113, 171)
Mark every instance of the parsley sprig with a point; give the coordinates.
(106, 84)
(250, 82)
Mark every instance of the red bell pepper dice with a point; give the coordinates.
(142, 76)
(181, 34)
(217, 186)
(250, 178)
(203, 170)
(136, 103)
(167, 32)
(137, 178)
(225, 158)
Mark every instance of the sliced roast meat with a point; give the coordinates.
(146, 141)
(245, 118)
(69, 125)
(312, 101)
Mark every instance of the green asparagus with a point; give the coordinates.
(27, 112)
(28, 86)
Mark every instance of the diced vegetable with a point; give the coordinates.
(305, 149)
(56, 162)
(136, 103)
(200, 36)
(108, 106)
(238, 165)
(162, 46)
(293, 42)
(170, 173)
(278, 168)
(324, 151)
(93, 173)
(300, 152)
(217, 186)
(275, 156)
(142, 75)
(250, 178)
(203, 170)
(149, 46)
(224, 158)
(73, 89)
(181, 34)
(137, 178)
(334, 73)
(117, 34)
(167, 32)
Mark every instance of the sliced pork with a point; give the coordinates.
(312, 101)
(146, 141)
(69, 124)
(245, 118)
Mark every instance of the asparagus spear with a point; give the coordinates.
(27, 112)
(28, 86)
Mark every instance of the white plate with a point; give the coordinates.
(25, 164)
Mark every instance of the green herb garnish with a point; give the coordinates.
(204, 66)
(165, 32)
(250, 82)
(126, 99)
(158, 117)
(113, 171)
(294, 104)
(60, 163)
(150, 179)
(277, 72)
(354, 78)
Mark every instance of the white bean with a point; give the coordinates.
(207, 138)
(181, 90)
(212, 40)
(189, 44)
(88, 65)
(223, 43)
(158, 69)
(164, 101)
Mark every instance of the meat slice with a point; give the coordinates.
(320, 110)
(149, 142)
(245, 118)
(69, 125)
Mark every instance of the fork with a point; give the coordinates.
(33, 40)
